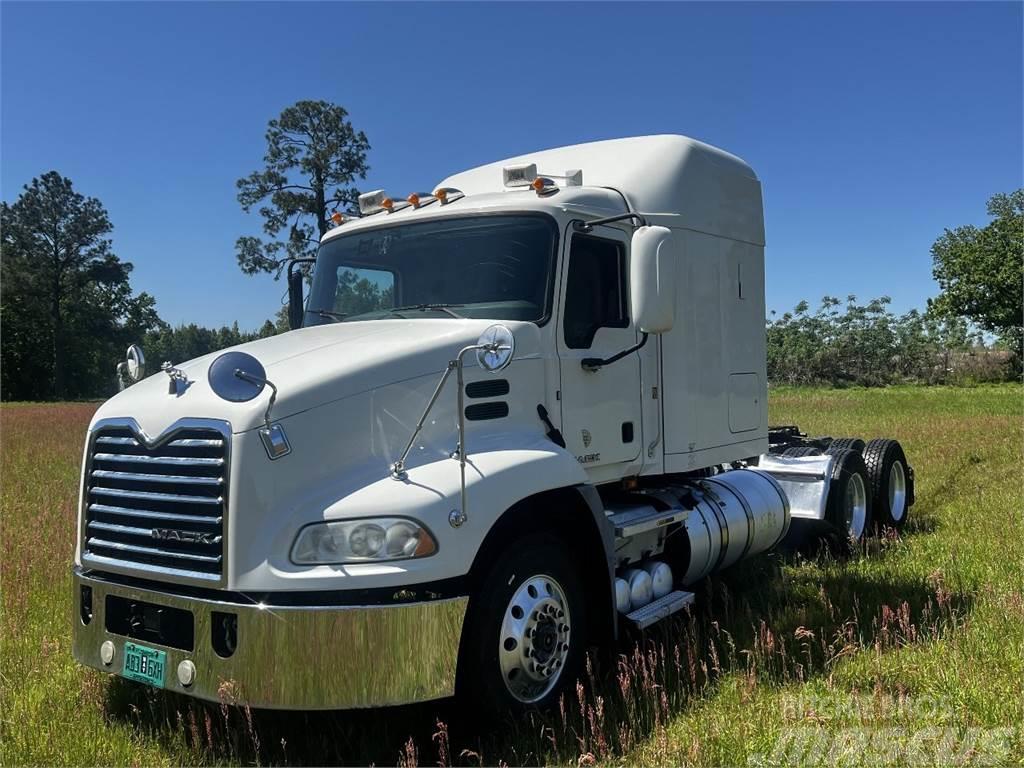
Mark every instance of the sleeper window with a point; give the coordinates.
(595, 295)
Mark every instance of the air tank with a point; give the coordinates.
(641, 587)
(623, 598)
(661, 577)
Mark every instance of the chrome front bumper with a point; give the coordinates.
(294, 657)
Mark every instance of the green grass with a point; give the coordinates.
(918, 638)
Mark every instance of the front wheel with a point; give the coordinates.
(523, 640)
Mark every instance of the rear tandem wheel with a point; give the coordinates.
(892, 482)
(848, 507)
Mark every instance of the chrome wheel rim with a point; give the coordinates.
(856, 506)
(897, 491)
(534, 641)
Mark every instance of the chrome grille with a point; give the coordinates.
(158, 509)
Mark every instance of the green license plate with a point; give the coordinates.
(147, 665)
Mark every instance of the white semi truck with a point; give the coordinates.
(514, 416)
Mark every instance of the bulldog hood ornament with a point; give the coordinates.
(178, 380)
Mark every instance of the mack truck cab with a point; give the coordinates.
(514, 415)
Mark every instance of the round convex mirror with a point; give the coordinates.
(228, 385)
(136, 362)
(497, 347)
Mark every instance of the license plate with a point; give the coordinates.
(147, 665)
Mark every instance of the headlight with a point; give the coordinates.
(362, 541)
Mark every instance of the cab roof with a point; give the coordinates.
(673, 180)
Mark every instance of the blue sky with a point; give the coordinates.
(872, 126)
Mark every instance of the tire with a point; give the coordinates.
(495, 677)
(845, 443)
(848, 507)
(892, 482)
(805, 451)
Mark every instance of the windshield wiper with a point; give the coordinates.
(425, 307)
(329, 314)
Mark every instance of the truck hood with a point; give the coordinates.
(311, 367)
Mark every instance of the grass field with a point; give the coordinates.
(911, 652)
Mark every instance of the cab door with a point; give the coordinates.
(600, 409)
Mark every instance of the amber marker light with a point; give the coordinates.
(426, 545)
(413, 200)
(538, 185)
(441, 195)
(337, 218)
(387, 204)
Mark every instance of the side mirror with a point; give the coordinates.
(295, 304)
(133, 368)
(652, 280)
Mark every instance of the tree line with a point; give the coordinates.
(853, 344)
(68, 311)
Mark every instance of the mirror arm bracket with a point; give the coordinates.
(259, 380)
(299, 260)
(595, 363)
(587, 226)
(398, 469)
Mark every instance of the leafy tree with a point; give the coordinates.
(186, 342)
(281, 321)
(867, 345)
(66, 301)
(980, 271)
(313, 157)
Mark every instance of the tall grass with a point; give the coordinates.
(916, 633)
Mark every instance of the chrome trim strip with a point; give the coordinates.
(153, 551)
(115, 528)
(140, 477)
(184, 443)
(117, 440)
(154, 496)
(182, 461)
(156, 572)
(129, 530)
(196, 443)
(149, 514)
(297, 657)
(144, 570)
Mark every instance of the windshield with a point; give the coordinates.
(490, 267)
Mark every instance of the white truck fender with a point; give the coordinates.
(499, 483)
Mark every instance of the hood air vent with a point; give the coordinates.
(487, 388)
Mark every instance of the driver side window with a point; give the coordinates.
(595, 294)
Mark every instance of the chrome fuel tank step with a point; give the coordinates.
(640, 518)
(661, 608)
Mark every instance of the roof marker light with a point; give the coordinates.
(447, 195)
(387, 204)
(413, 200)
(337, 218)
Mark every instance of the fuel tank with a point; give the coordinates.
(732, 515)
